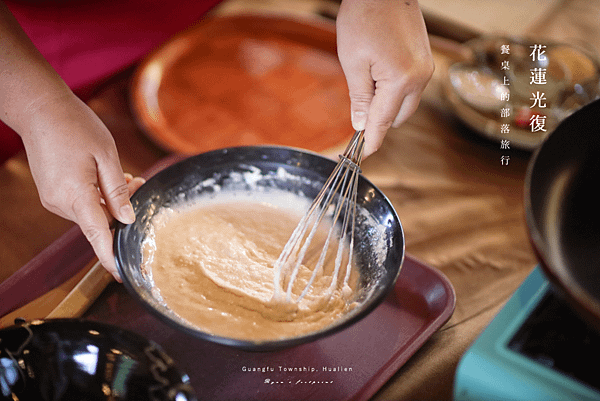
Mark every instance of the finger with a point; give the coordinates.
(383, 111)
(91, 217)
(115, 191)
(134, 184)
(361, 89)
(409, 106)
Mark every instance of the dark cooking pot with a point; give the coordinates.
(562, 209)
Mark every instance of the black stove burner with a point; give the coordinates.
(556, 337)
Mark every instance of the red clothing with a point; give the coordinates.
(87, 42)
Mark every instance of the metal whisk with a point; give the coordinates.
(337, 199)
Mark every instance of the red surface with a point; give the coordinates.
(87, 42)
(374, 348)
(10, 143)
(50, 268)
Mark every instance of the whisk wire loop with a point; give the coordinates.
(340, 194)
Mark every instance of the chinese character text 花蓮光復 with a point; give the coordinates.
(537, 123)
(538, 76)
(539, 99)
(537, 54)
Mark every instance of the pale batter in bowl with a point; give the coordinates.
(213, 265)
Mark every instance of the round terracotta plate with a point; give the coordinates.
(245, 80)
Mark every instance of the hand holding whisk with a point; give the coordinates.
(337, 201)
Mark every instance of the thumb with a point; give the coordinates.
(361, 89)
(360, 103)
(115, 192)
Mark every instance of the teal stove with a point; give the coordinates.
(536, 348)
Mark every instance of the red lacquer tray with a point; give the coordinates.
(350, 365)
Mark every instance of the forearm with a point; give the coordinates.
(27, 81)
(71, 154)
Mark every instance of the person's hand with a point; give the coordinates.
(76, 169)
(385, 55)
(71, 154)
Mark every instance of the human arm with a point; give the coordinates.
(72, 155)
(384, 51)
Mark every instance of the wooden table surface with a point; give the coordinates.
(461, 209)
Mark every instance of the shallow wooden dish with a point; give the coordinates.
(245, 80)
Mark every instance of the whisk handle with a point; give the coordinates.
(354, 150)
